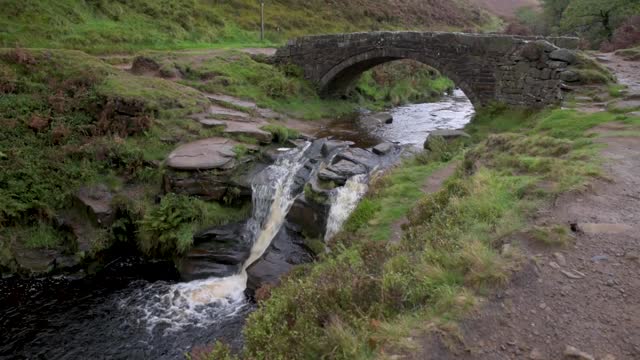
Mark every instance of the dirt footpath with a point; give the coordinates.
(581, 302)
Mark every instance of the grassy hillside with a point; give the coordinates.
(120, 25)
(371, 298)
(506, 8)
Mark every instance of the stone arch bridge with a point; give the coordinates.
(515, 70)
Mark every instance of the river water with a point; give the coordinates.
(411, 123)
(139, 310)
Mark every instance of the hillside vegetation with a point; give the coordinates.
(118, 25)
(507, 8)
(609, 25)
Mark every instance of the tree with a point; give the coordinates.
(531, 18)
(597, 19)
(553, 11)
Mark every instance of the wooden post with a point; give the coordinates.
(261, 20)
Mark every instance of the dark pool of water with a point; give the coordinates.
(104, 317)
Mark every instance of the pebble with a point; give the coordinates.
(632, 255)
(536, 355)
(560, 259)
(571, 352)
(572, 275)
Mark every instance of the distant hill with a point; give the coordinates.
(506, 8)
(116, 25)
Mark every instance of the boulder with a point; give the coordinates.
(328, 175)
(41, 261)
(383, 148)
(532, 51)
(359, 156)
(330, 146)
(206, 154)
(348, 168)
(564, 55)
(95, 201)
(569, 76)
(447, 135)
(557, 64)
(380, 118)
(217, 252)
(286, 250)
(341, 171)
(310, 216)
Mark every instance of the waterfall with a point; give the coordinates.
(205, 302)
(272, 200)
(343, 201)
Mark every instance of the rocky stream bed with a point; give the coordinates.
(301, 191)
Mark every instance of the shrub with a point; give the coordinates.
(626, 36)
(281, 134)
(167, 229)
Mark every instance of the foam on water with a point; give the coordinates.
(413, 123)
(205, 302)
(343, 201)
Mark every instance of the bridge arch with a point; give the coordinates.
(488, 68)
(338, 79)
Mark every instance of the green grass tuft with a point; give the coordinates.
(281, 134)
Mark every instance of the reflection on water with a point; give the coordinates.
(411, 123)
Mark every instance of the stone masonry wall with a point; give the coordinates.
(488, 68)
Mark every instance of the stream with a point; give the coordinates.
(140, 310)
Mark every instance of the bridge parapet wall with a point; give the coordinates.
(488, 68)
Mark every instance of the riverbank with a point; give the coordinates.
(370, 298)
(92, 139)
(127, 137)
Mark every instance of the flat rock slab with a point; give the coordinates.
(630, 104)
(383, 149)
(249, 129)
(223, 112)
(212, 122)
(232, 100)
(348, 168)
(359, 156)
(247, 104)
(206, 154)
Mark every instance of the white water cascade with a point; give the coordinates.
(205, 302)
(343, 201)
